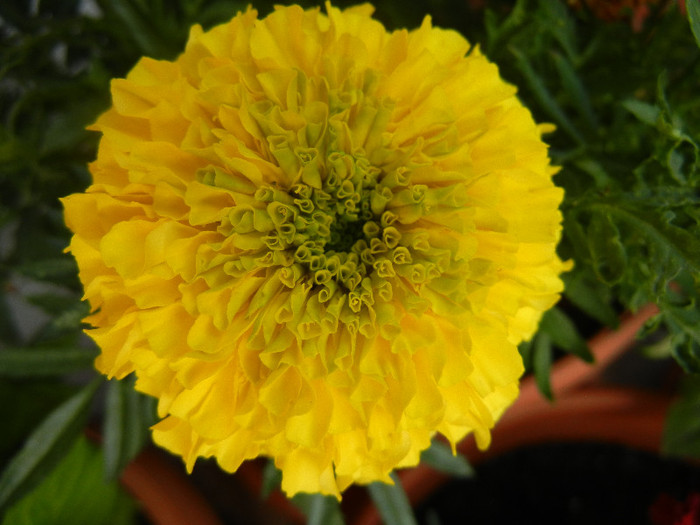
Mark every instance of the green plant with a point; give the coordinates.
(628, 139)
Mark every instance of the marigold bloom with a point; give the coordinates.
(318, 241)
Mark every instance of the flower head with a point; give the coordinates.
(318, 241)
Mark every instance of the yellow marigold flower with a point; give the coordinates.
(318, 241)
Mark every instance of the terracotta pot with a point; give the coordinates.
(166, 494)
(583, 410)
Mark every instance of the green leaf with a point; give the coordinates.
(66, 129)
(496, 32)
(575, 89)
(45, 446)
(607, 250)
(8, 330)
(271, 479)
(41, 362)
(586, 297)
(687, 354)
(542, 364)
(440, 457)
(218, 13)
(563, 333)
(52, 269)
(126, 424)
(544, 96)
(75, 493)
(678, 242)
(525, 349)
(559, 22)
(595, 170)
(575, 235)
(392, 502)
(693, 7)
(684, 322)
(32, 401)
(69, 320)
(142, 29)
(56, 303)
(647, 113)
(319, 509)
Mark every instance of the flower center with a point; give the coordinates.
(333, 221)
(338, 224)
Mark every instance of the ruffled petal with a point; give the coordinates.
(318, 241)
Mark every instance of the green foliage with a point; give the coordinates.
(628, 121)
(271, 479)
(563, 333)
(31, 402)
(128, 416)
(45, 446)
(694, 18)
(628, 139)
(440, 457)
(392, 502)
(37, 362)
(319, 509)
(74, 493)
(542, 356)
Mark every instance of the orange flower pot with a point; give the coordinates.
(583, 410)
(165, 493)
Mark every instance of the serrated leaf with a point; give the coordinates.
(440, 457)
(392, 503)
(319, 509)
(45, 446)
(683, 320)
(563, 333)
(686, 316)
(607, 250)
(589, 300)
(687, 354)
(678, 242)
(542, 364)
(125, 427)
(43, 362)
(575, 234)
(74, 493)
